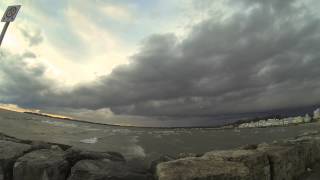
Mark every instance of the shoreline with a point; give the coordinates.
(125, 126)
(221, 127)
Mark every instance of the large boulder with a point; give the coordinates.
(257, 162)
(309, 147)
(161, 159)
(9, 152)
(106, 170)
(286, 161)
(231, 164)
(44, 164)
(186, 154)
(37, 145)
(73, 155)
(202, 168)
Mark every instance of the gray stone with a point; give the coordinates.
(56, 147)
(73, 155)
(202, 168)
(312, 175)
(44, 164)
(106, 170)
(154, 163)
(280, 161)
(249, 147)
(36, 145)
(286, 161)
(9, 152)
(256, 161)
(309, 148)
(218, 165)
(185, 155)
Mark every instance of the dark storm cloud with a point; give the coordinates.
(21, 82)
(264, 56)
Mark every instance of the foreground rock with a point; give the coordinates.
(218, 165)
(74, 155)
(202, 169)
(291, 158)
(256, 161)
(106, 170)
(154, 163)
(45, 164)
(287, 160)
(9, 153)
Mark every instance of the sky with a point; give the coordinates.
(161, 58)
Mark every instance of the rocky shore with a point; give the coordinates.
(286, 160)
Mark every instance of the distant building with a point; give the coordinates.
(307, 118)
(286, 121)
(298, 120)
(282, 122)
(316, 114)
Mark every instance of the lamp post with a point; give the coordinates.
(9, 16)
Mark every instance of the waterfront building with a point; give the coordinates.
(316, 114)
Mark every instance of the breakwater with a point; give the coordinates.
(283, 160)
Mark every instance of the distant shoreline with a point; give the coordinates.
(233, 125)
(127, 126)
(221, 127)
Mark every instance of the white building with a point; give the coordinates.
(316, 114)
(283, 122)
(298, 120)
(307, 118)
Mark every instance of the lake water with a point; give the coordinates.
(139, 143)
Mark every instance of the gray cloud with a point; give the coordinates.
(265, 56)
(34, 38)
(20, 82)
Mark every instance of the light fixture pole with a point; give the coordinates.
(9, 16)
(4, 30)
